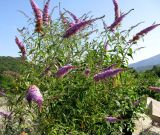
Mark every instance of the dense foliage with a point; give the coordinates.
(10, 68)
(10, 64)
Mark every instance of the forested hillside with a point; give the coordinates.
(8, 63)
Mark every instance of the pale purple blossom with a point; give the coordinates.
(36, 10)
(34, 94)
(116, 9)
(118, 21)
(45, 13)
(78, 26)
(64, 70)
(112, 119)
(107, 73)
(155, 89)
(143, 32)
(21, 47)
(38, 16)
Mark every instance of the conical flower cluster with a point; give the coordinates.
(34, 94)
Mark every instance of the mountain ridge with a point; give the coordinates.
(146, 64)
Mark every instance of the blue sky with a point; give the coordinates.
(145, 10)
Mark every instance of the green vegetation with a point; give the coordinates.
(10, 67)
(55, 96)
(10, 64)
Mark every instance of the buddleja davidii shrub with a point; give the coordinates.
(79, 101)
(47, 51)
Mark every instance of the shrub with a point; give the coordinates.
(85, 82)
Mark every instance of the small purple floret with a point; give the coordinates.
(112, 119)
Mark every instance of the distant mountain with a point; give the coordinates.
(8, 63)
(147, 63)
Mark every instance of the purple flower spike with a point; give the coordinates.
(34, 94)
(107, 73)
(155, 89)
(38, 16)
(21, 47)
(64, 70)
(73, 16)
(112, 119)
(143, 32)
(118, 21)
(116, 9)
(6, 114)
(45, 13)
(79, 26)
